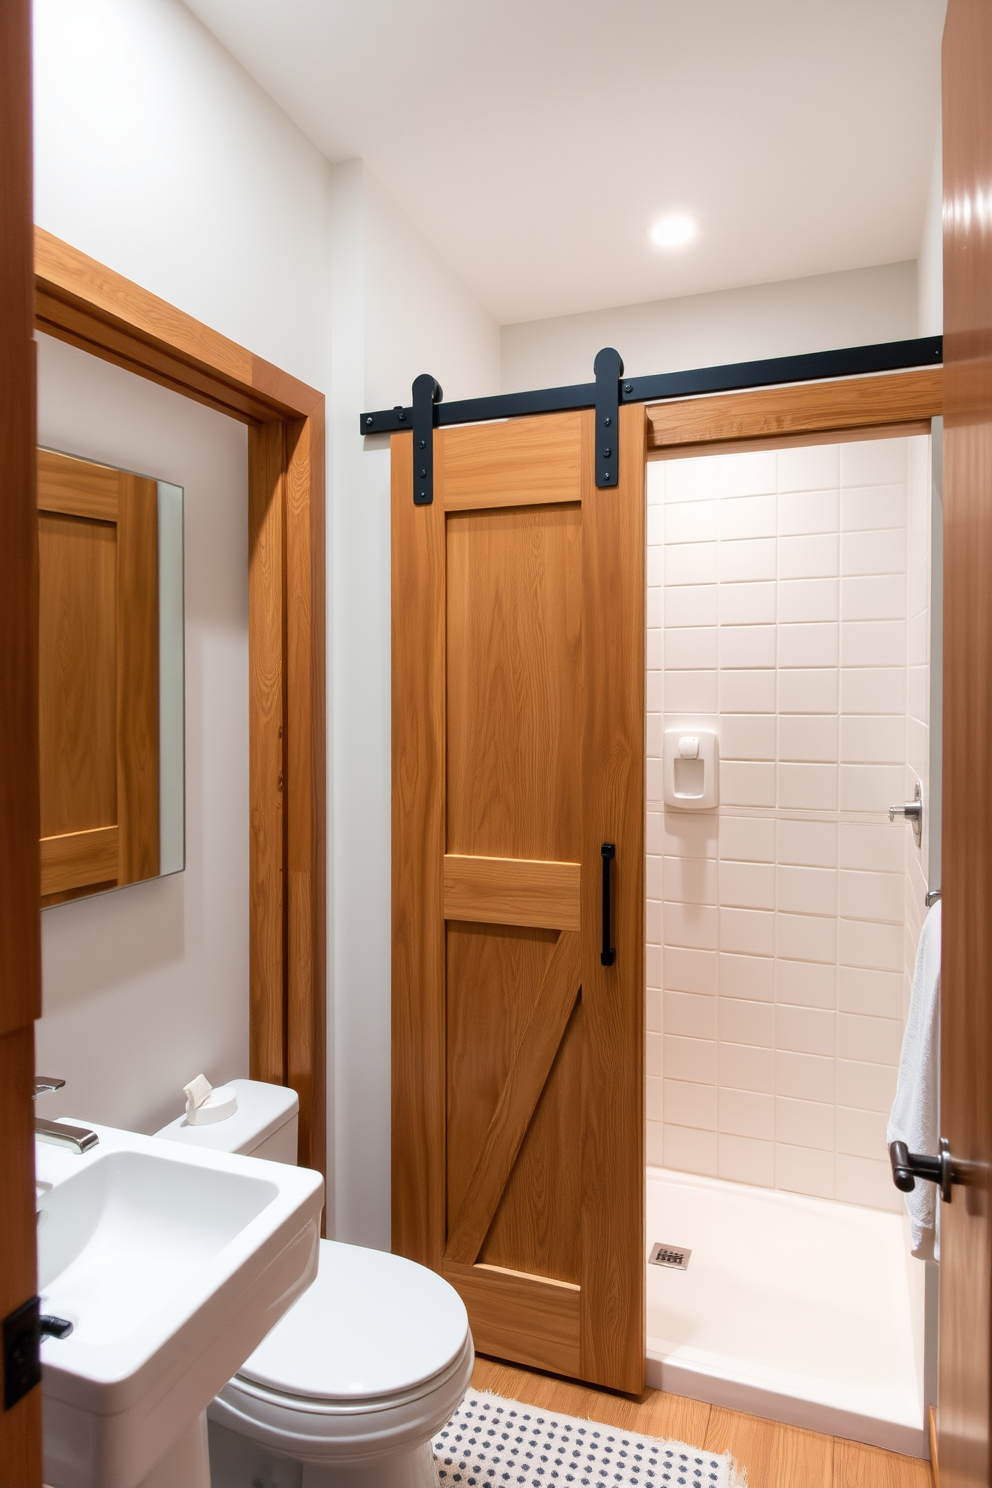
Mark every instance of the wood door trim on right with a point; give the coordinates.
(20, 933)
(964, 1430)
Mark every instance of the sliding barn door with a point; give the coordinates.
(518, 754)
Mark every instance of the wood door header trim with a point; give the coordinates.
(884, 400)
(82, 301)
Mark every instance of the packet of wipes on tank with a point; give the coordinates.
(196, 1093)
(205, 1105)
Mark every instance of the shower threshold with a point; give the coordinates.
(803, 1310)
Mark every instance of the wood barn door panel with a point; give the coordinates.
(486, 1021)
(537, 1228)
(520, 1317)
(517, 464)
(516, 755)
(512, 891)
(514, 604)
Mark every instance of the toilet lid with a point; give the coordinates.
(371, 1325)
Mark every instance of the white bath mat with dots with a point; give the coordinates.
(495, 1443)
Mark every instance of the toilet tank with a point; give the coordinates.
(264, 1125)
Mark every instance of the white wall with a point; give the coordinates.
(857, 307)
(930, 263)
(146, 986)
(156, 154)
(396, 311)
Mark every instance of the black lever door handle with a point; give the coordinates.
(943, 1169)
(609, 852)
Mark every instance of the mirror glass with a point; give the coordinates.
(110, 674)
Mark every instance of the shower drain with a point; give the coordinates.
(675, 1256)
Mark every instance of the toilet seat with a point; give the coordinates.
(373, 1357)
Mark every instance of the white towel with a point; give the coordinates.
(915, 1110)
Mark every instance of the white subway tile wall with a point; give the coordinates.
(788, 608)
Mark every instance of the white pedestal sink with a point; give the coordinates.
(172, 1263)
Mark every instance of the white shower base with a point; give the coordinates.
(802, 1310)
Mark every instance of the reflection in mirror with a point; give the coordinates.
(110, 674)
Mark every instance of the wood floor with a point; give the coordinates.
(775, 1456)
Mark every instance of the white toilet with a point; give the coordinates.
(352, 1383)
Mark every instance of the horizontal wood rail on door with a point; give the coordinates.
(83, 302)
(891, 400)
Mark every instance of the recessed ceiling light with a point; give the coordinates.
(674, 230)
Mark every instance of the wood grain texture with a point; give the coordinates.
(20, 940)
(514, 685)
(519, 463)
(525, 1081)
(533, 1190)
(418, 942)
(493, 973)
(74, 860)
(511, 891)
(798, 441)
(77, 673)
(773, 1455)
(306, 771)
(537, 1227)
(20, 1428)
(137, 680)
(90, 306)
(613, 754)
(817, 407)
(965, 1385)
(858, 1466)
(526, 1318)
(266, 732)
(77, 488)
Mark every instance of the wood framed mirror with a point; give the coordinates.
(110, 677)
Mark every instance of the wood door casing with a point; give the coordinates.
(20, 937)
(518, 749)
(965, 1384)
(98, 676)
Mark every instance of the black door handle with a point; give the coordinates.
(943, 1169)
(609, 852)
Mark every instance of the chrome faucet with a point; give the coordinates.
(80, 1138)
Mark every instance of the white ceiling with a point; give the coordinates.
(534, 141)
